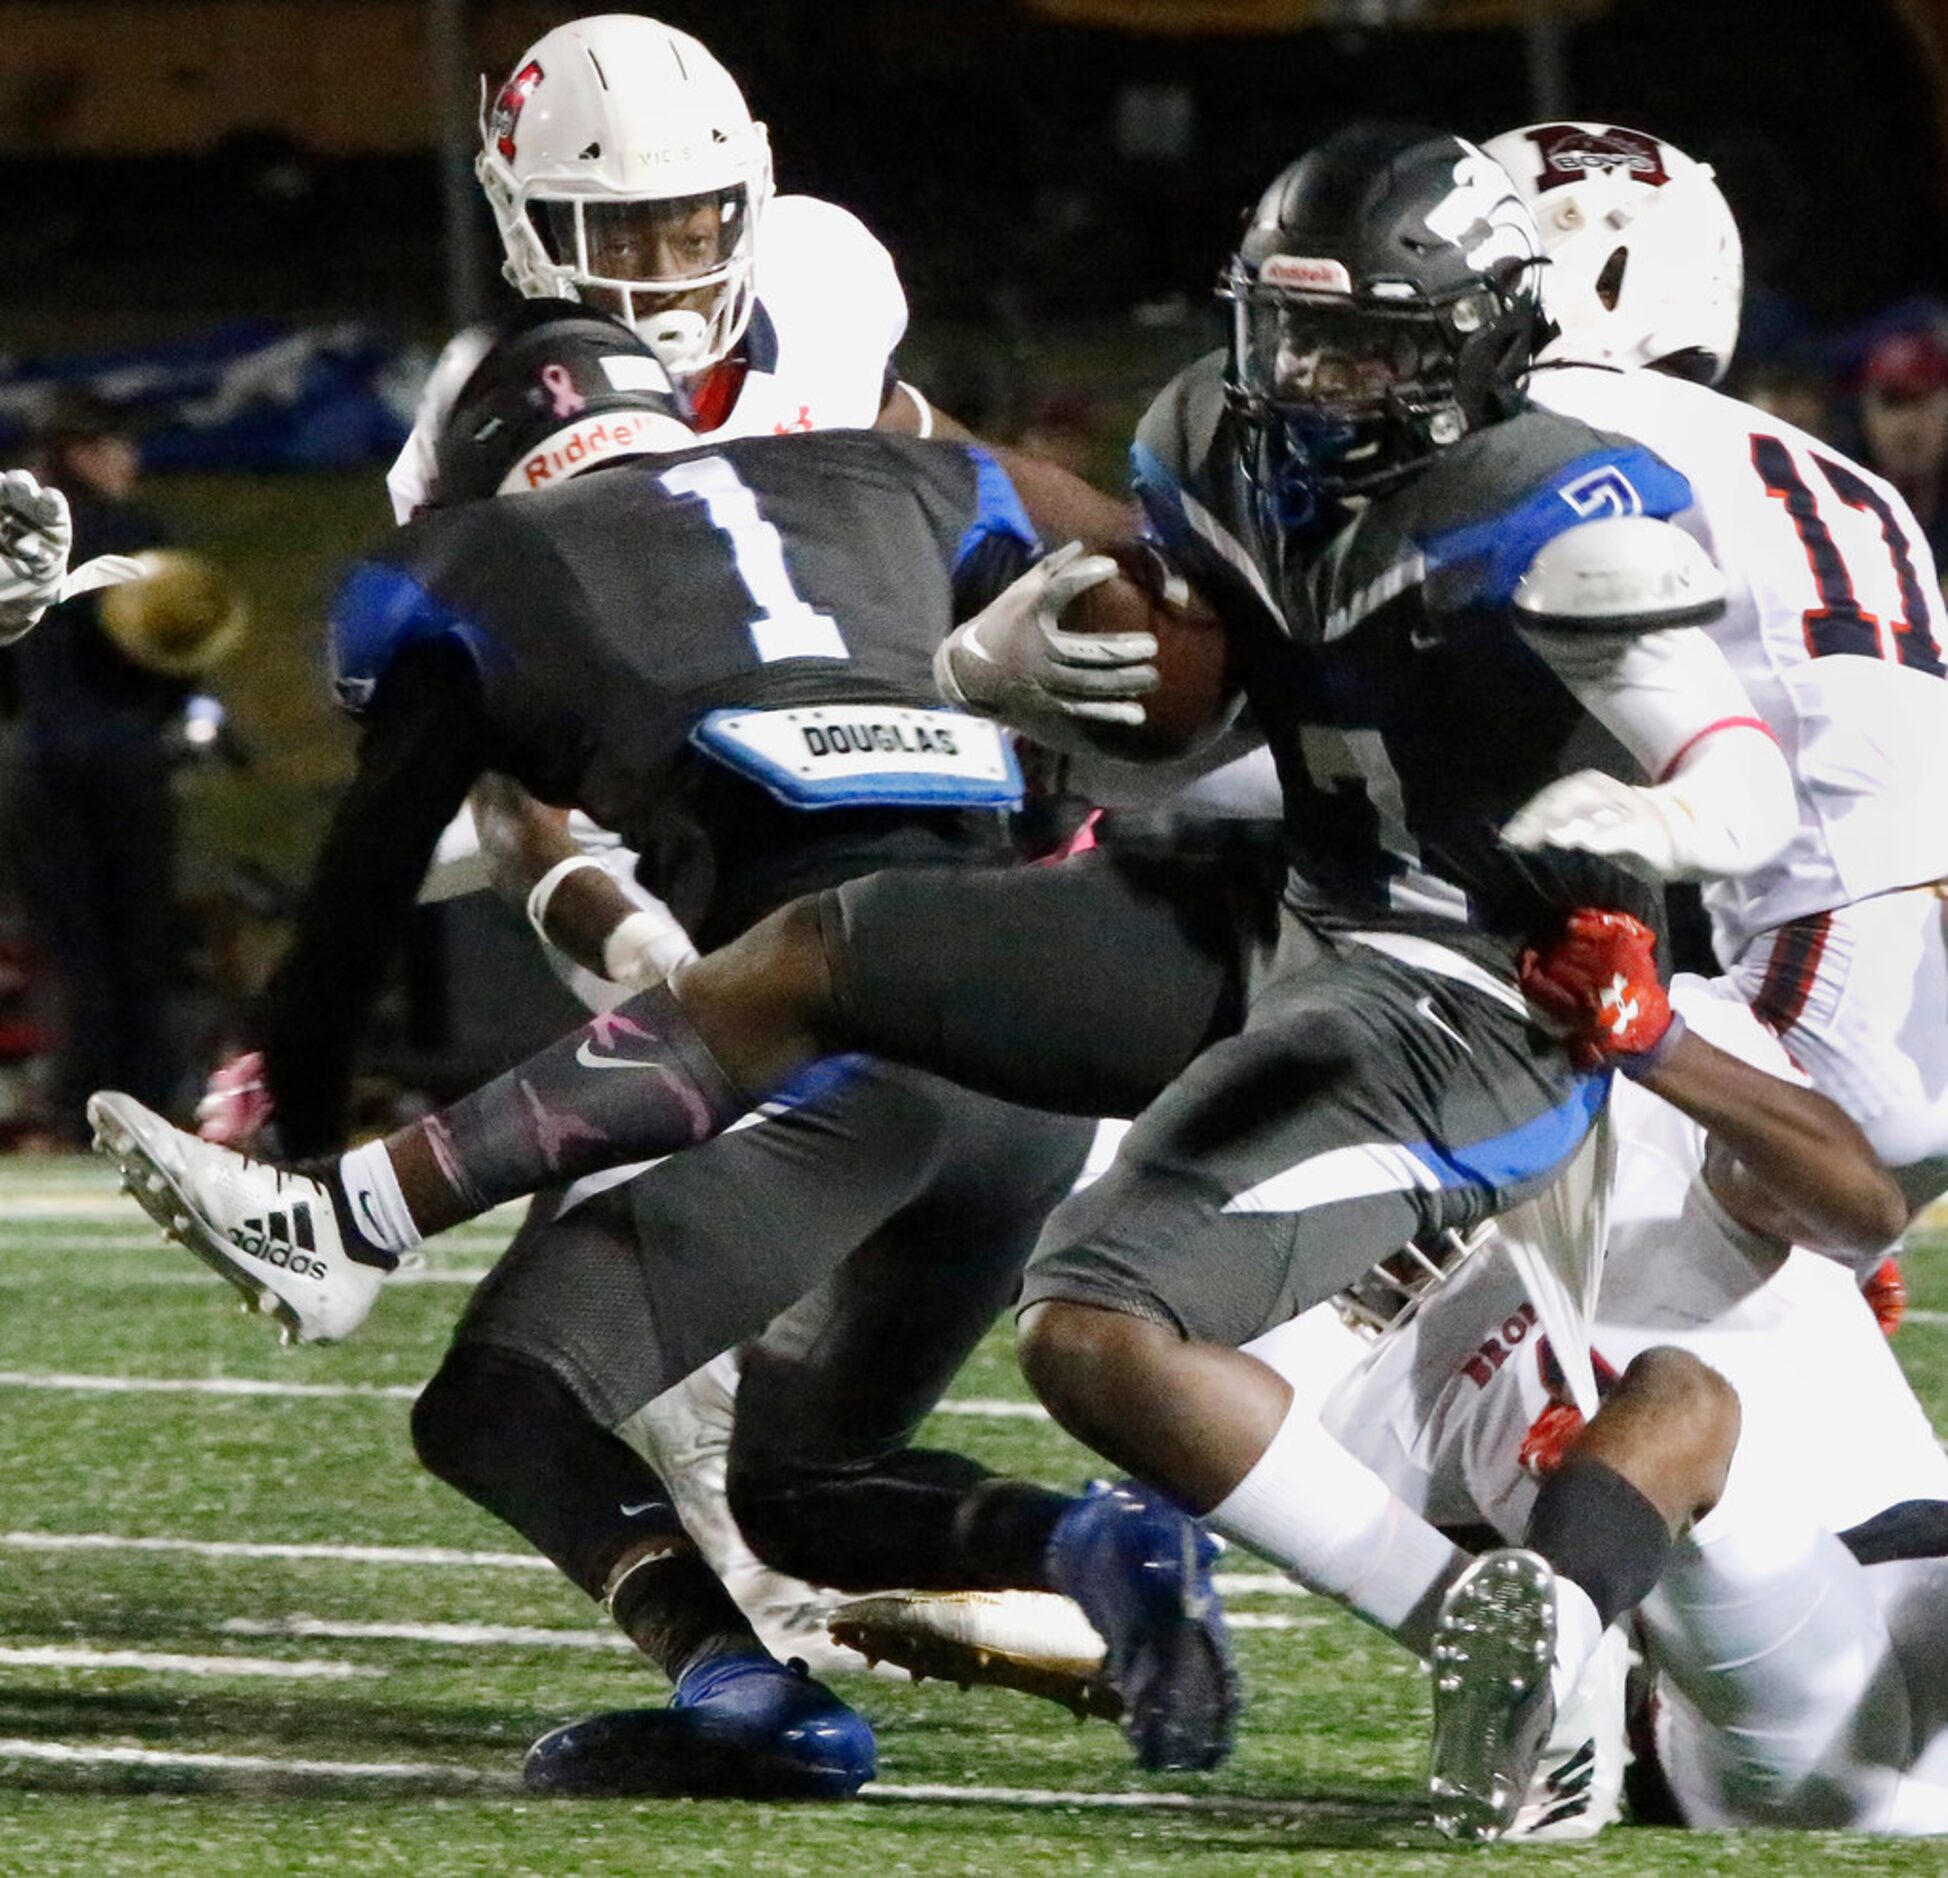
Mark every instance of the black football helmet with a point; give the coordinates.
(560, 389)
(1384, 303)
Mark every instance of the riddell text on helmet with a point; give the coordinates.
(587, 443)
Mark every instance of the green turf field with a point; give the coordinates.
(189, 1681)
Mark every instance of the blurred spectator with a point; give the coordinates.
(94, 819)
(1904, 424)
(1794, 393)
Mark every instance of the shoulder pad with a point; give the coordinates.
(1181, 467)
(1622, 574)
(1484, 512)
(1173, 441)
(821, 268)
(381, 606)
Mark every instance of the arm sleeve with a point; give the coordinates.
(424, 744)
(1671, 699)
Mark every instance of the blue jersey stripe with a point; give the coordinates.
(998, 511)
(377, 610)
(1626, 480)
(1540, 1144)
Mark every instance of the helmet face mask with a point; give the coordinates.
(1645, 262)
(673, 268)
(624, 170)
(1382, 306)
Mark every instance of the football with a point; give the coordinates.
(1195, 680)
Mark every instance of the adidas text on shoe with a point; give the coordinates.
(265, 1230)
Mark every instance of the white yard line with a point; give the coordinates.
(171, 1663)
(513, 1636)
(198, 1385)
(893, 1791)
(89, 1754)
(1925, 1317)
(427, 1555)
(78, 1383)
(552, 1637)
(80, 1754)
(435, 1557)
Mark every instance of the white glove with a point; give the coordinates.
(1013, 661)
(645, 949)
(36, 534)
(1597, 814)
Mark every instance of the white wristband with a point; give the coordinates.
(543, 890)
(644, 950)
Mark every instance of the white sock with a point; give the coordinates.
(1579, 1629)
(378, 1206)
(1334, 1525)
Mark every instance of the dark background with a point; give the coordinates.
(982, 143)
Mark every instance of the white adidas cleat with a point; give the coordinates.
(267, 1231)
(1577, 1787)
(1494, 1645)
(1034, 1641)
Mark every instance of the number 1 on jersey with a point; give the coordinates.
(786, 626)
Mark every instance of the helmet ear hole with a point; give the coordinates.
(1609, 283)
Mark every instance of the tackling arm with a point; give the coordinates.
(1613, 608)
(1783, 1160)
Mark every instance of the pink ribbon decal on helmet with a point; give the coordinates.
(568, 401)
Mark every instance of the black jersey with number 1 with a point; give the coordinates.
(723, 655)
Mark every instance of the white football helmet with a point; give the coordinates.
(1645, 263)
(625, 170)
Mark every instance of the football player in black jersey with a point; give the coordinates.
(1468, 633)
(724, 653)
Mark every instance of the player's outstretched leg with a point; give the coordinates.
(311, 1245)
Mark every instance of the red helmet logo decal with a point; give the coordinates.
(1571, 151)
(508, 106)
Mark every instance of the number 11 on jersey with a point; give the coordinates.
(786, 626)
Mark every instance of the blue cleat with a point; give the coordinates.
(744, 1727)
(1140, 1569)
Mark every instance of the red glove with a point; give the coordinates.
(1549, 1439)
(236, 1102)
(1886, 1295)
(1598, 982)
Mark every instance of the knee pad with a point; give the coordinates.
(461, 1421)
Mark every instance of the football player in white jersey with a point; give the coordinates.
(1796, 1628)
(624, 169)
(1833, 622)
